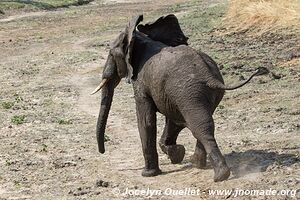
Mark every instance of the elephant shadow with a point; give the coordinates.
(249, 162)
(256, 161)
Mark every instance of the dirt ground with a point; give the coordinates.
(51, 61)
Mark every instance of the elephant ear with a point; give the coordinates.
(122, 47)
(130, 31)
(166, 30)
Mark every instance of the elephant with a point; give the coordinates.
(171, 78)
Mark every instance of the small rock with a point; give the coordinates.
(237, 66)
(292, 180)
(262, 81)
(80, 191)
(276, 76)
(61, 164)
(101, 183)
(273, 183)
(242, 78)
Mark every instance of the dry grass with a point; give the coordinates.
(261, 16)
(293, 62)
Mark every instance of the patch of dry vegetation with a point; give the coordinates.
(262, 16)
(292, 62)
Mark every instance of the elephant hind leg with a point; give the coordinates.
(198, 159)
(168, 144)
(201, 124)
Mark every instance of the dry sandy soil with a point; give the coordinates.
(51, 61)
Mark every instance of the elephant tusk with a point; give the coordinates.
(103, 82)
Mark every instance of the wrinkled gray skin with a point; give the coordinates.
(171, 78)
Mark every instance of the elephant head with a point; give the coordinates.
(117, 66)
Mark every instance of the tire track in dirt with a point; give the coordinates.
(24, 15)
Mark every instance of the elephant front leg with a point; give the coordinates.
(168, 144)
(146, 115)
(199, 157)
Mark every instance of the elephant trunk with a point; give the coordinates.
(106, 100)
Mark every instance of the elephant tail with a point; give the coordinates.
(216, 84)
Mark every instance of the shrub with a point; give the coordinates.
(18, 119)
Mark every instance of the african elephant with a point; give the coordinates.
(168, 77)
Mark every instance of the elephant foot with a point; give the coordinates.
(198, 161)
(221, 173)
(151, 172)
(176, 153)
